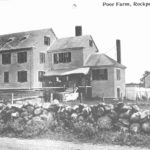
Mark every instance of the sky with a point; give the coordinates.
(106, 24)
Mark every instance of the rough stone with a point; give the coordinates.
(24, 114)
(146, 127)
(46, 105)
(30, 109)
(135, 128)
(135, 117)
(15, 115)
(38, 111)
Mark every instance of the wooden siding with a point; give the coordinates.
(119, 83)
(13, 69)
(104, 88)
(76, 60)
(37, 66)
(32, 66)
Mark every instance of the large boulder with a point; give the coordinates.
(30, 109)
(126, 114)
(100, 111)
(38, 111)
(136, 117)
(135, 128)
(145, 115)
(2, 106)
(118, 107)
(135, 108)
(17, 107)
(15, 115)
(46, 106)
(125, 108)
(146, 127)
(24, 113)
(124, 122)
(47, 117)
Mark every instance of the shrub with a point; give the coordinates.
(85, 129)
(104, 122)
(33, 128)
(18, 125)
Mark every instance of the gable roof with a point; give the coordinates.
(71, 42)
(22, 39)
(98, 59)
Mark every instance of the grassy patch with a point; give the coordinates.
(102, 137)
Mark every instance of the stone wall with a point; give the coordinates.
(33, 119)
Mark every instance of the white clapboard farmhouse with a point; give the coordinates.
(23, 58)
(37, 59)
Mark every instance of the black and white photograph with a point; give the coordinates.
(74, 75)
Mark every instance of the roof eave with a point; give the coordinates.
(72, 48)
(16, 49)
(123, 67)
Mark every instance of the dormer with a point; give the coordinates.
(10, 40)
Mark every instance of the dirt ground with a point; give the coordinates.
(45, 144)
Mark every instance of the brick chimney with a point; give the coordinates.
(78, 30)
(118, 47)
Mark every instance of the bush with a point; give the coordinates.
(85, 129)
(18, 125)
(34, 128)
(104, 122)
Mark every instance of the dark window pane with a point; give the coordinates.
(90, 43)
(42, 58)
(22, 76)
(6, 58)
(100, 74)
(55, 59)
(69, 57)
(6, 77)
(22, 57)
(118, 74)
(62, 57)
(46, 40)
(40, 75)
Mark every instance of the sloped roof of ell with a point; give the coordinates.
(101, 60)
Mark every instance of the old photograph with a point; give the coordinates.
(74, 75)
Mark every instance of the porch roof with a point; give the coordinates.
(64, 72)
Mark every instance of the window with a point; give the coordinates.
(91, 43)
(22, 57)
(46, 40)
(118, 74)
(40, 75)
(6, 77)
(6, 58)
(100, 74)
(42, 58)
(22, 76)
(62, 57)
